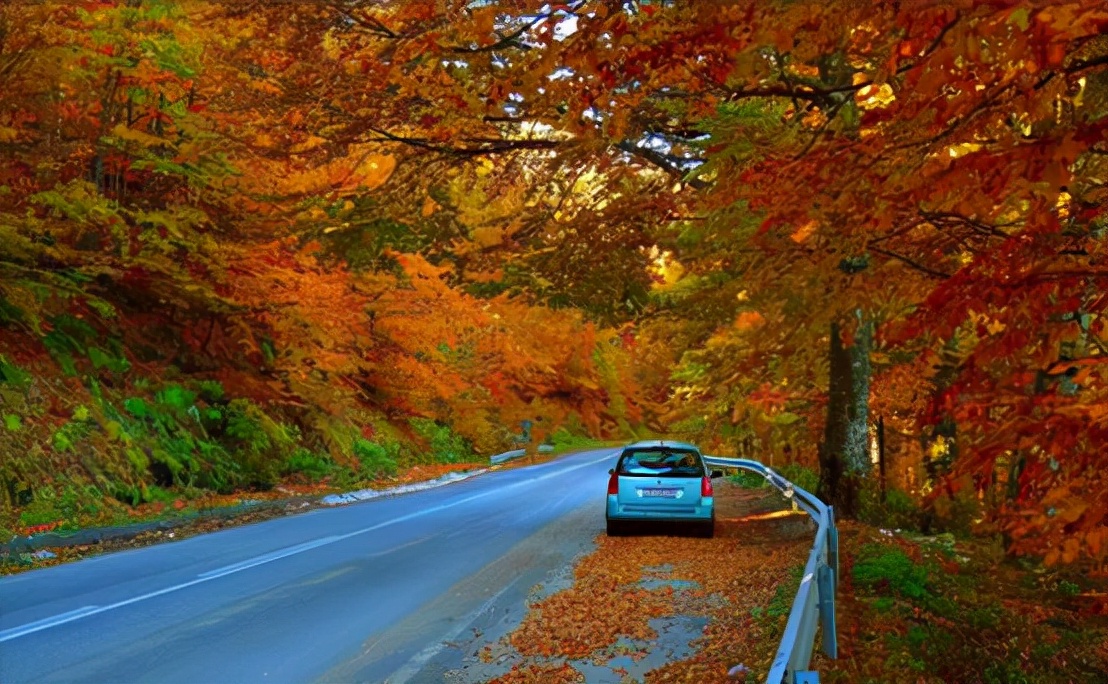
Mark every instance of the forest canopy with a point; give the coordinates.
(242, 241)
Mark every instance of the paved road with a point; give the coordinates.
(369, 592)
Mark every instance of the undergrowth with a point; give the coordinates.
(775, 615)
(944, 609)
(86, 449)
(564, 439)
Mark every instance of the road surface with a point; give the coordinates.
(382, 591)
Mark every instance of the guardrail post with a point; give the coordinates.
(833, 544)
(806, 677)
(825, 580)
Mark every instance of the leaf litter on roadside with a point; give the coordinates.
(630, 582)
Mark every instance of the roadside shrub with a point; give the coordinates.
(748, 480)
(176, 397)
(261, 443)
(245, 427)
(79, 502)
(446, 446)
(884, 569)
(563, 439)
(802, 476)
(690, 428)
(40, 512)
(899, 511)
(375, 459)
(210, 391)
(313, 466)
(957, 514)
(154, 493)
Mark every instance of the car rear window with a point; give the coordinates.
(661, 463)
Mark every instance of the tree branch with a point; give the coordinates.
(1083, 64)
(914, 264)
(812, 93)
(663, 162)
(478, 146)
(948, 217)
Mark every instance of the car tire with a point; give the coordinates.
(706, 530)
(616, 529)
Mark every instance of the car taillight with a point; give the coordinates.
(705, 486)
(613, 484)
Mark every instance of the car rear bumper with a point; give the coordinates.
(702, 513)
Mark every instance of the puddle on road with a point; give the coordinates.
(654, 583)
(625, 660)
(676, 634)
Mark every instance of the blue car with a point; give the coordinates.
(661, 481)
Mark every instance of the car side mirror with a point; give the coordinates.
(717, 473)
(611, 471)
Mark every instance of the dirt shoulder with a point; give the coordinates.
(663, 608)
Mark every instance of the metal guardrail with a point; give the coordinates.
(507, 456)
(814, 605)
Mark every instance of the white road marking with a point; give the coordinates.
(87, 611)
(402, 546)
(47, 623)
(266, 558)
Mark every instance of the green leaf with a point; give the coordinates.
(785, 418)
(137, 458)
(1020, 17)
(62, 442)
(12, 422)
(13, 375)
(177, 397)
(137, 407)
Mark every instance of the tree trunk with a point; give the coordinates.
(881, 458)
(844, 454)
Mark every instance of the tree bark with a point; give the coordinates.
(881, 457)
(844, 452)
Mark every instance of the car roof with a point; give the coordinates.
(655, 443)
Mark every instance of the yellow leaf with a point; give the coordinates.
(484, 167)
(487, 236)
(374, 170)
(123, 132)
(311, 143)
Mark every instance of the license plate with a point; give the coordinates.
(667, 493)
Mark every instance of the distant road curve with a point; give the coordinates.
(366, 592)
